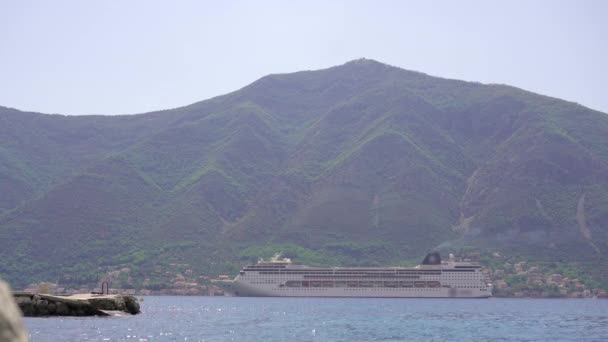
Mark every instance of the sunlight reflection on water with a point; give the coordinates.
(334, 319)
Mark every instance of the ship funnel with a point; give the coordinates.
(432, 259)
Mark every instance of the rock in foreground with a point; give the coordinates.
(11, 326)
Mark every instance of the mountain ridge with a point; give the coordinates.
(363, 154)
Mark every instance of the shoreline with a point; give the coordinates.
(138, 295)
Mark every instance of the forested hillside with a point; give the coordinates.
(362, 163)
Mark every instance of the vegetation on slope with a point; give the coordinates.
(362, 163)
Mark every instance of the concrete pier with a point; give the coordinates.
(42, 305)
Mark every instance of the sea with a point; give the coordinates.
(337, 319)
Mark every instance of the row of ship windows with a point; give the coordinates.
(362, 273)
(359, 289)
(363, 276)
(481, 288)
(253, 276)
(355, 283)
(283, 272)
(350, 273)
(389, 284)
(367, 284)
(389, 276)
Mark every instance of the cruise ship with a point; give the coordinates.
(434, 278)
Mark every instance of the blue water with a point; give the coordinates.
(334, 319)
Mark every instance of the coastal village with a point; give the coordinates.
(524, 281)
(176, 280)
(521, 279)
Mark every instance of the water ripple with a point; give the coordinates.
(333, 319)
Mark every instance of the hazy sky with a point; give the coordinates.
(116, 57)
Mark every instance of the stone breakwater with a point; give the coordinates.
(41, 305)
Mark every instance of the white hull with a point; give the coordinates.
(243, 289)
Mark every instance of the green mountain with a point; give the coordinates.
(361, 163)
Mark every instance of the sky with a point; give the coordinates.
(126, 57)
